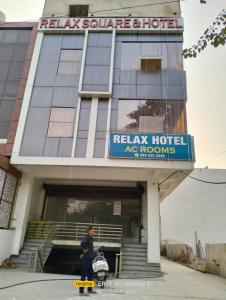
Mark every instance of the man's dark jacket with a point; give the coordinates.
(87, 243)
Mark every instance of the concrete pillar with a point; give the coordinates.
(153, 221)
(21, 212)
(38, 195)
(144, 219)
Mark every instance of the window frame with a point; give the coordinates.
(146, 59)
(115, 117)
(83, 134)
(76, 71)
(51, 123)
(75, 9)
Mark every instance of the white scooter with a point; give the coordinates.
(100, 267)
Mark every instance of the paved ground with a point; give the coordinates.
(179, 283)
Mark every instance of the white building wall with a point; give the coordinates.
(111, 8)
(196, 206)
(6, 244)
(153, 223)
(21, 212)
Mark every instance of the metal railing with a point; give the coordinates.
(118, 265)
(74, 231)
(39, 256)
(67, 231)
(39, 229)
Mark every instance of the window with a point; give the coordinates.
(150, 116)
(78, 11)
(61, 122)
(101, 127)
(69, 68)
(83, 128)
(8, 185)
(10, 36)
(71, 55)
(13, 49)
(150, 64)
(70, 62)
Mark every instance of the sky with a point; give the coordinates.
(206, 76)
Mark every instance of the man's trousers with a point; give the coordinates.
(87, 272)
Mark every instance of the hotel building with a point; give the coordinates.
(102, 135)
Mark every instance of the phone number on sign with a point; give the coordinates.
(142, 155)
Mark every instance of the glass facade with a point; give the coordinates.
(101, 128)
(70, 62)
(61, 122)
(149, 116)
(144, 100)
(98, 211)
(83, 128)
(13, 49)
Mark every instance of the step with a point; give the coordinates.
(129, 253)
(29, 248)
(22, 256)
(63, 263)
(134, 275)
(20, 260)
(129, 267)
(134, 263)
(25, 251)
(22, 265)
(33, 243)
(134, 250)
(34, 240)
(134, 246)
(134, 258)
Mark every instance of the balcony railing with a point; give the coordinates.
(74, 231)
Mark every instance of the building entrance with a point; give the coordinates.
(98, 205)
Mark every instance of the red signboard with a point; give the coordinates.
(151, 24)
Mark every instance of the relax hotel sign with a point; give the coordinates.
(151, 146)
(120, 24)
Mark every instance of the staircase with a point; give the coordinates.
(22, 260)
(134, 262)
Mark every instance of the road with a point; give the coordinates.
(178, 282)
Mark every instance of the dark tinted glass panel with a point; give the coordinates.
(6, 52)
(78, 11)
(83, 128)
(101, 126)
(10, 36)
(4, 128)
(13, 49)
(98, 211)
(150, 116)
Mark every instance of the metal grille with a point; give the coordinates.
(8, 184)
(9, 188)
(2, 180)
(5, 212)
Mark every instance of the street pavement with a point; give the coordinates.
(178, 282)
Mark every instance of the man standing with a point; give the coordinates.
(86, 259)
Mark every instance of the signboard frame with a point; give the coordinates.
(178, 147)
